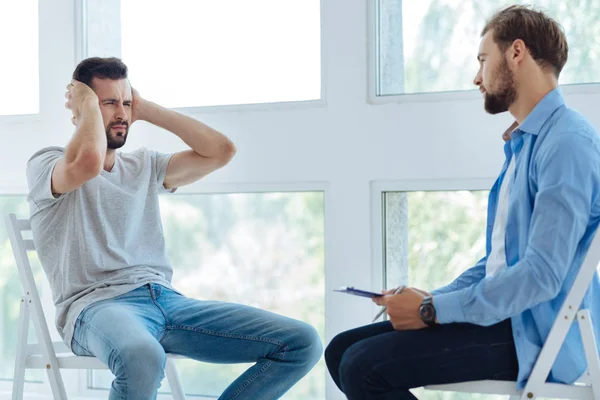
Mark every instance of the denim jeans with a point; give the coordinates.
(131, 334)
(375, 362)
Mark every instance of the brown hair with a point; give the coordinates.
(543, 36)
(97, 67)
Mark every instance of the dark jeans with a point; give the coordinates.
(375, 362)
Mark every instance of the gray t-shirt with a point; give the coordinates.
(103, 239)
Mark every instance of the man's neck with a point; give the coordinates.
(530, 94)
(109, 160)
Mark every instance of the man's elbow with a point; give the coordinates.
(227, 152)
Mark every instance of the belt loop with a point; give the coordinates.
(151, 290)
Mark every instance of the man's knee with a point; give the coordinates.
(355, 367)
(308, 340)
(335, 350)
(300, 345)
(139, 363)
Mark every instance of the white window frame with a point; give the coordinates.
(81, 53)
(430, 97)
(378, 228)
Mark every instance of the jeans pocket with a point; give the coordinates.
(78, 349)
(78, 340)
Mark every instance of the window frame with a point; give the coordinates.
(378, 189)
(373, 58)
(81, 53)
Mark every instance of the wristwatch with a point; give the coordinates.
(427, 311)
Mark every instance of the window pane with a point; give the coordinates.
(212, 52)
(265, 250)
(431, 45)
(19, 70)
(10, 292)
(435, 235)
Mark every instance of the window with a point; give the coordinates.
(19, 69)
(432, 237)
(261, 249)
(206, 53)
(431, 45)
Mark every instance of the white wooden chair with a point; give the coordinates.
(588, 387)
(48, 355)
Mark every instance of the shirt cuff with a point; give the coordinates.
(448, 308)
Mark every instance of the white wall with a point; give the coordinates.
(343, 142)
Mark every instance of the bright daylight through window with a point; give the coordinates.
(19, 48)
(431, 45)
(210, 53)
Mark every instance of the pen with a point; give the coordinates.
(399, 289)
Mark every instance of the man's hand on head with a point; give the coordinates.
(138, 106)
(78, 93)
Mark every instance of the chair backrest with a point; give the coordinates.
(31, 297)
(567, 314)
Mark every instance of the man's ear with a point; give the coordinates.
(517, 51)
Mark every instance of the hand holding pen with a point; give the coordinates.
(399, 289)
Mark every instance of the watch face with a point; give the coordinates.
(426, 312)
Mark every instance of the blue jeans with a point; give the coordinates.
(131, 334)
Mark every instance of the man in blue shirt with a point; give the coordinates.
(543, 211)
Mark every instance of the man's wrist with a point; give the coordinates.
(89, 103)
(142, 111)
(427, 311)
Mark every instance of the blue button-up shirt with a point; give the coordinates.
(553, 213)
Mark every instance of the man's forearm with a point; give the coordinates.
(89, 136)
(203, 139)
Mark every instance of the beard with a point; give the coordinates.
(116, 141)
(505, 95)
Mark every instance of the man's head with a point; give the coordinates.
(518, 45)
(108, 78)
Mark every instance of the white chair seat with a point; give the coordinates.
(71, 361)
(549, 390)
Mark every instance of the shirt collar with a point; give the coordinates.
(506, 136)
(542, 111)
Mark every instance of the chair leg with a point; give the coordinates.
(174, 382)
(20, 358)
(589, 346)
(56, 384)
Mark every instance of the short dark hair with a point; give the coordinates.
(543, 36)
(97, 67)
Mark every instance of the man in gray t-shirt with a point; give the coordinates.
(96, 224)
